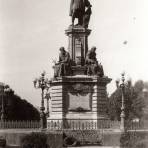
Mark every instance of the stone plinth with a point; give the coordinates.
(78, 43)
(79, 70)
(78, 97)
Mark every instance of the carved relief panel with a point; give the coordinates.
(79, 97)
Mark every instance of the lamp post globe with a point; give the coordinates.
(43, 84)
(122, 86)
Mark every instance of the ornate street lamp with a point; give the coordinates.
(47, 97)
(4, 89)
(43, 84)
(122, 86)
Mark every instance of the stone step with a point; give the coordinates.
(87, 136)
(96, 147)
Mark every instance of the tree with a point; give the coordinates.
(134, 102)
(145, 94)
(16, 108)
(139, 86)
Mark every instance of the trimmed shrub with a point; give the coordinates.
(2, 142)
(70, 141)
(133, 140)
(34, 140)
(142, 144)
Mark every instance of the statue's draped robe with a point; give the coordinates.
(65, 58)
(63, 67)
(91, 58)
(93, 68)
(78, 5)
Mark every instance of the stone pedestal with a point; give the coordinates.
(78, 98)
(78, 101)
(78, 43)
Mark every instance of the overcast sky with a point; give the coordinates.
(31, 32)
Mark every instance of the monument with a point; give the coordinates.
(78, 90)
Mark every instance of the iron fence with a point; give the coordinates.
(74, 124)
(81, 124)
(140, 125)
(20, 125)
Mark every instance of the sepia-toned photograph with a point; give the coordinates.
(73, 73)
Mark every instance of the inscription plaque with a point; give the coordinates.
(80, 97)
(79, 103)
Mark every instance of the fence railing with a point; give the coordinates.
(20, 125)
(81, 124)
(141, 125)
(74, 124)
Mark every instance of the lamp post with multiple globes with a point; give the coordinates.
(43, 84)
(122, 87)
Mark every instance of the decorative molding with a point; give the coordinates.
(80, 89)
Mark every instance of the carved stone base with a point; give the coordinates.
(79, 70)
(79, 97)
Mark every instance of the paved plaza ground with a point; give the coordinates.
(97, 147)
(12, 146)
(74, 147)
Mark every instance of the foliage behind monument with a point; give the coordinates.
(134, 102)
(16, 108)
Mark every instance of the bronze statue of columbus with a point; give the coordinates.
(77, 10)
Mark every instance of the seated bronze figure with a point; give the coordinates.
(93, 67)
(63, 67)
